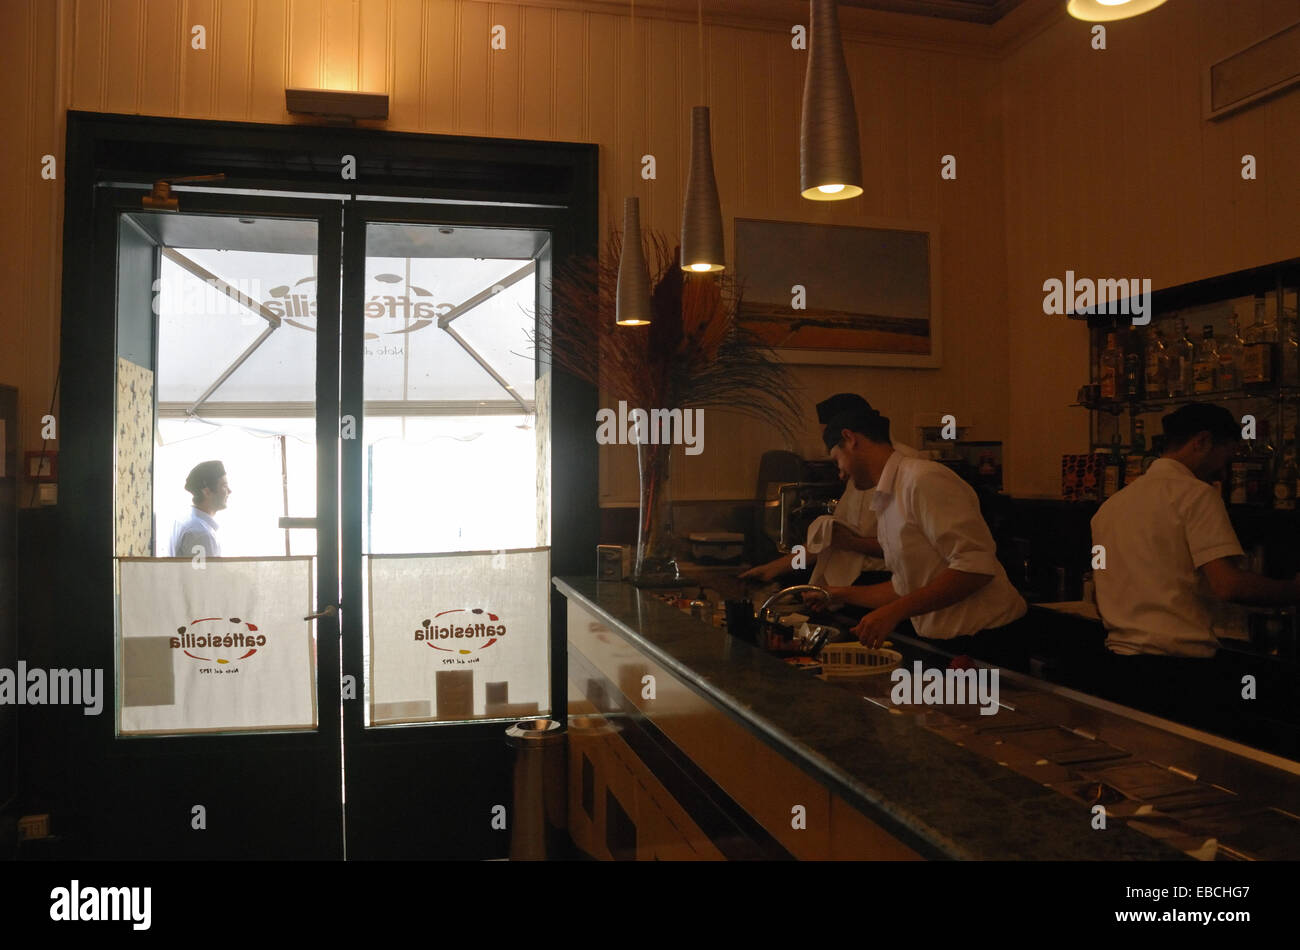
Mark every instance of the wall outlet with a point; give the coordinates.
(31, 827)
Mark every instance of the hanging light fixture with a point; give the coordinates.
(632, 298)
(1101, 11)
(632, 301)
(703, 245)
(830, 162)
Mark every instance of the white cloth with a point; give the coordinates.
(835, 567)
(1156, 533)
(928, 520)
(199, 529)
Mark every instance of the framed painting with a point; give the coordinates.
(840, 295)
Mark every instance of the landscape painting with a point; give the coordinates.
(867, 292)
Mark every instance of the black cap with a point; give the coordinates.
(832, 406)
(858, 419)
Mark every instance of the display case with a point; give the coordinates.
(1230, 340)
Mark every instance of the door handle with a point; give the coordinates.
(329, 611)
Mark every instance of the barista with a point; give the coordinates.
(853, 554)
(947, 579)
(1170, 554)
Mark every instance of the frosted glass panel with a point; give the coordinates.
(459, 636)
(220, 649)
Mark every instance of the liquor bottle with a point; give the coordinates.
(1239, 467)
(1113, 471)
(1259, 490)
(1258, 360)
(1112, 370)
(1230, 357)
(1132, 370)
(1156, 366)
(1288, 351)
(1137, 451)
(1284, 485)
(1181, 361)
(1206, 367)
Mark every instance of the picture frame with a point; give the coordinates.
(871, 291)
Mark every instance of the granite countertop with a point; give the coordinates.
(946, 800)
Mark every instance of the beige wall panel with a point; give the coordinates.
(233, 58)
(199, 66)
(89, 41)
(661, 198)
(306, 26)
(920, 78)
(438, 72)
(506, 94)
(473, 48)
(570, 81)
(340, 38)
(602, 111)
(375, 31)
(784, 110)
(755, 140)
(164, 40)
(126, 43)
(269, 70)
(537, 76)
(409, 89)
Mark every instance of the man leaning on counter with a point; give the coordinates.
(946, 579)
(1170, 552)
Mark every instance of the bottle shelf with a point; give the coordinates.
(1152, 405)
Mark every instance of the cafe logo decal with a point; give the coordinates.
(476, 624)
(193, 640)
(294, 306)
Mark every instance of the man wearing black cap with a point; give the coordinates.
(208, 486)
(854, 526)
(947, 579)
(1170, 551)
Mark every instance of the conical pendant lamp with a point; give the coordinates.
(632, 301)
(703, 244)
(830, 162)
(1103, 11)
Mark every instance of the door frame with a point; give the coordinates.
(557, 181)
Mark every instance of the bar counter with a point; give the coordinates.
(731, 753)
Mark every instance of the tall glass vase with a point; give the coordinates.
(655, 564)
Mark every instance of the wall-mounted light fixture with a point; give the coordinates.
(337, 105)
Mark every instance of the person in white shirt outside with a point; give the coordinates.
(1171, 551)
(946, 579)
(854, 525)
(209, 486)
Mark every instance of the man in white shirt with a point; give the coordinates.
(208, 485)
(853, 531)
(946, 576)
(1170, 551)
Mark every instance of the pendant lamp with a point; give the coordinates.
(830, 162)
(703, 245)
(632, 297)
(632, 302)
(1102, 11)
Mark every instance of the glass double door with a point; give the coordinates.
(331, 523)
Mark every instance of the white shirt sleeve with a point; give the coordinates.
(1208, 528)
(948, 512)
